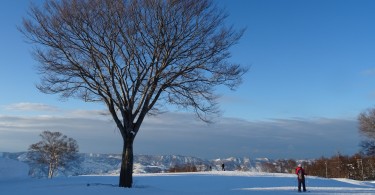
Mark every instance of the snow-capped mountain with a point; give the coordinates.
(109, 164)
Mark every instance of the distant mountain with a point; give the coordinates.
(109, 164)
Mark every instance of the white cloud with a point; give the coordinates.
(88, 113)
(28, 106)
(49, 111)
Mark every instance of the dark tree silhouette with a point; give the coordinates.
(134, 56)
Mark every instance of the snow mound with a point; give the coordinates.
(12, 169)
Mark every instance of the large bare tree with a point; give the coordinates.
(135, 56)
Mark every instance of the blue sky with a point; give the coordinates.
(308, 58)
(312, 72)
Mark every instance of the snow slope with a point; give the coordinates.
(218, 183)
(12, 169)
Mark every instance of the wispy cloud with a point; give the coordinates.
(45, 111)
(88, 113)
(28, 106)
(368, 72)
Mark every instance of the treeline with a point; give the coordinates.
(358, 167)
(183, 168)
(279, 166)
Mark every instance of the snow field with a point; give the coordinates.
(208, 183)
(14, 181)
(12, 169)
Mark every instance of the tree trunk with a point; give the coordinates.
(126, 172)
(50, 171)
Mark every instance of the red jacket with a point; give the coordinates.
(303, 171)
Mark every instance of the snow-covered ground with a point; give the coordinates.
(201, 183)
(12, 169)
(14, 181)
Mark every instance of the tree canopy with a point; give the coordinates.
(135, 56)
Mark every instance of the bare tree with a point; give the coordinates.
(55, 150)
(366, 122)
(135, 56)
(368, 147)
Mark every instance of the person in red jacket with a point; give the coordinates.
(301, 178)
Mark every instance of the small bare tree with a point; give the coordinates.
(55, 150)
(366, 122)
(134, 56)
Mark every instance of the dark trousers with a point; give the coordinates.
(301, 182)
